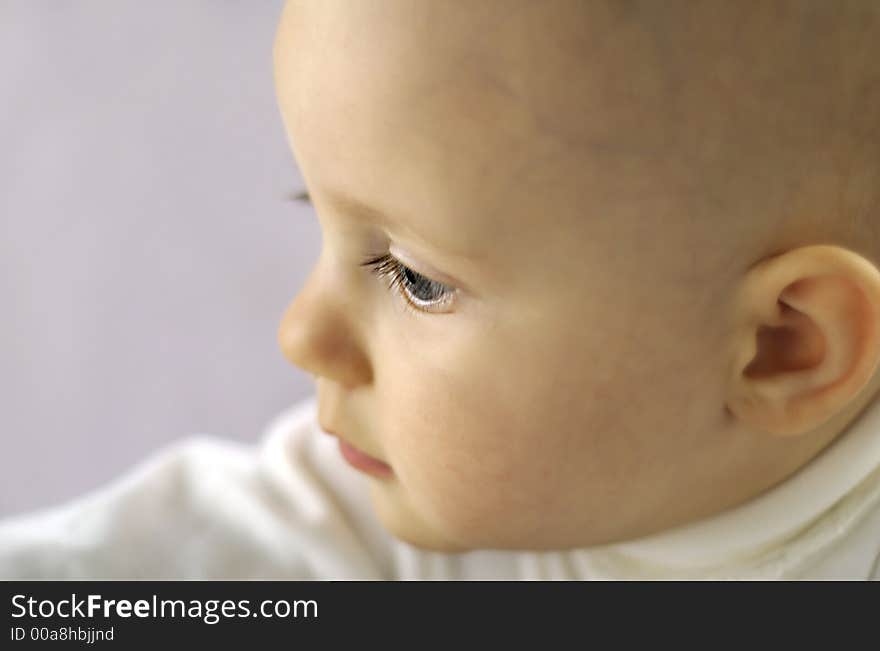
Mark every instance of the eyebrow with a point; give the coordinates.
(349, 205)
(301, 196)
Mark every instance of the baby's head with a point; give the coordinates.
(620, 258)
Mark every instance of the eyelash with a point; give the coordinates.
(398, 274)
(401, 277)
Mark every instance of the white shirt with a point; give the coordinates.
(291, 508)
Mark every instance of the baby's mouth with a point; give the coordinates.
(363, 461)
(360, 459)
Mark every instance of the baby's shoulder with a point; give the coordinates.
(207, 507)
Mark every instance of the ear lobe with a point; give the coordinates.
(808, 338)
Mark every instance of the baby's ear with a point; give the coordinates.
(807, 338)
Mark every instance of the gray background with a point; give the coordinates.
(146, 251)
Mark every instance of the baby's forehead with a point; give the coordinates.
(476, 100)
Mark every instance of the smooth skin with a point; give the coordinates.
(663, 299)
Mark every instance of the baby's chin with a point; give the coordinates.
(427, 542)
(402, 521)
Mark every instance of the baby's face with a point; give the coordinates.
(546, 371)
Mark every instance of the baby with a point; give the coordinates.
(608, 314)
(598, 295)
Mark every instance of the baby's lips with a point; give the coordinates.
(363, 461)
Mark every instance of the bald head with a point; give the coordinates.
(751, 124)
(765, 115)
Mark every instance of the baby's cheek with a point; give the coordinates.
(476, 470)
(470, 428)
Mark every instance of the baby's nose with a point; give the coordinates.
(316, 335)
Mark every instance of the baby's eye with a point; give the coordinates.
(420, 292)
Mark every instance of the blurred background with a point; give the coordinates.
(147, 251)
